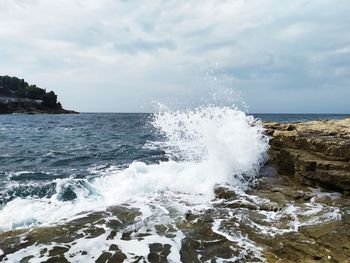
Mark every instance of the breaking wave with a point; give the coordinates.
(206, 146)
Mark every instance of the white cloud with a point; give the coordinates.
(128, 53)
(295, 31)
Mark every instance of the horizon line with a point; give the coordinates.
(249, 113)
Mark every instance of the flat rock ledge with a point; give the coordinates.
(315, 152)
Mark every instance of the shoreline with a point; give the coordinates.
(41, 112)
(37, 111)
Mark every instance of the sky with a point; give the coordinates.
(266, 56)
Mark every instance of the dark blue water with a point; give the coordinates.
(37, 149)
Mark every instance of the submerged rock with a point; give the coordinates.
(316, 152)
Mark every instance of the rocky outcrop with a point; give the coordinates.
(17, 96)
(11, 105)
(316, 152)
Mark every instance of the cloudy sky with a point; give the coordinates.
(122, 56)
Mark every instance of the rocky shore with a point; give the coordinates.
(315, 152)
(285, 217)
(279, 220)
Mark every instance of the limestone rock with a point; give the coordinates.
(316, 152)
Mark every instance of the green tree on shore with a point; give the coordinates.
(15, 87)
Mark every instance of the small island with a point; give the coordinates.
(17, 96)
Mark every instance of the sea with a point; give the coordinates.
(56, 169)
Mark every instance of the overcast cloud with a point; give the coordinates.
(120, 56)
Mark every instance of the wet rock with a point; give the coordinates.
(166, 230)
(126, 235)
(201, 243)
(104, 257)
(57, 251)
(113, 248)
(224, 193)
(117, 257)
(190, 216)
(112, 235)
(158, 253)
(58, 259)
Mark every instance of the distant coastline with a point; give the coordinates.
(17, 96)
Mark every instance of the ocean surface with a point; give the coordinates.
(56, 168)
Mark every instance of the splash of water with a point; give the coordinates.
(223, 144)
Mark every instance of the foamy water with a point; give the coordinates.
(211, 145)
